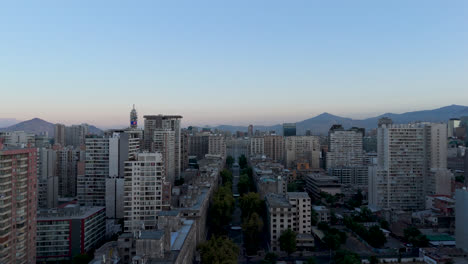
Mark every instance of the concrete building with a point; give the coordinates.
(174, 243)
(171, 122)
(18, 192)
(217, 145)
(250, 131)
(289, 129)
(453, 123)
(59, 134)
(323, 213)
(17, 139)
(143, 191)
(115, 197)
(274, 147)
(236, 147)
(405, 155)
(345, 147)
(302, 149)
(105, 158)
(289, 211)
(270, 178)
(198, 145)
(461, 218)
(68, 161)
(257, 146)
(317, 183)
(66, 232)
(48, 184)
(354, 176)
(75, 135)
(164, 143)
(440, 182)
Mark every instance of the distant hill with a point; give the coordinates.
(321, 124)
(38, 126)
(5, 122)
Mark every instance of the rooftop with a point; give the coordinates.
(71, 211)
(298, 195)
(277, 200)
(152, 234)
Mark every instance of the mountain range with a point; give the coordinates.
(38, 126)
(318, 125)
(321, 124)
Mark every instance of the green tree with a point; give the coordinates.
(313, 217)
(222, 207)
(333, 241)
(376, 237)
(414, 236)
(346, 257)
(250, 203)
(219, 250)
(287, 241)
(270, 258)
(82, 259)
(373, 260)
(323, 226)
(226, 176)
(311, 260)
(384, 224)
(229, 161)
(242, 162)
(252, 228)
(243, 184)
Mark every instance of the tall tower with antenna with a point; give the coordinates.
(133, 118)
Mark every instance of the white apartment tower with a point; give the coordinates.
(302, 149)
(143, 191)
(171, 122)
(164, 142)
(345, 147)
(406, 154)
(217, 145)
(257, 146)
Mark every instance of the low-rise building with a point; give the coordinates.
(317, 183)
(289, 211)
(65, 232)
(323, 213)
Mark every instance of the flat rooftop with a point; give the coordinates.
(277, 200)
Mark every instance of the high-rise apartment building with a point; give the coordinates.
(274, 147)
(18, 206)
(405, 155)
(453, 123)
(47, 180)
(198, 145)
(302, 149)
(461, 218)
(345, 156)
(250, 131)
(59, 134)
(257, 146)
(75, 135)
(164, 143)
(172, 122)
(345, 147)
(143, 191)
(105, 158)
(217, 145)
(289, 129)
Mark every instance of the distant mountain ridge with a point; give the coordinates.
(39, 126)
(321, 124)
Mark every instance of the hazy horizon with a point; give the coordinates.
(186, 123)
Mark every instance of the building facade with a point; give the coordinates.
(143, 191)
(18, 206)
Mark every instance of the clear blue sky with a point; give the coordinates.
(236, 62)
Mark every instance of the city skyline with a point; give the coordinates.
(213, 63)
(125, 119)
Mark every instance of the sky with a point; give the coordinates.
(230, 62)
